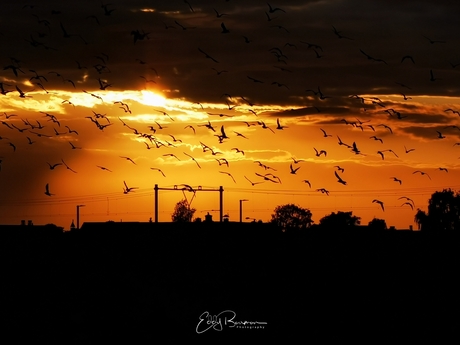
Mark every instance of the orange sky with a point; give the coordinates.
(190, 92)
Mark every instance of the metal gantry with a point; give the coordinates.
(188, 188)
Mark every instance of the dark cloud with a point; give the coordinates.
(340, 70)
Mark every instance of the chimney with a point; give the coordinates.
(23, 222)
(29, 223)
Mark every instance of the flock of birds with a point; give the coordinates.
(46, 125)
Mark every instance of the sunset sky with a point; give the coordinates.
(141, 79)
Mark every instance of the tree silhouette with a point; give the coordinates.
(377, 224)
(420, 218)
(339, 220)
(290, 217)
(443, 212)
(182, 212)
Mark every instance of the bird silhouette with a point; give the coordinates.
(67, 167)
(325, 134)
(103, 168)
(224, 28)
(47, 190)
(408, 203)
(323, 191)
(421, 173)
(253, 183)
(396, 179)
(339, 179)
(161, 171)
(293, 171)
(227, 173)
(274, 9)
(53, 166)
(321, 152)
(193, 159)
(127, 189)
(380, 203)
(307, 182)
(128, 159)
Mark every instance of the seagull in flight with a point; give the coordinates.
(318, 154)
(103, 168)
(408, 203)
(190, 126)
(129, 159)
(253, 183)
(53, 166)
(127, 189)
(67, 167)
(325, 134)
(408, 199)
(227, 173)
(294, 171)
(339, 179)
(408, 150)
(421, 173)
(273, 10)
(323, 190)
(159, 171)
(47, 190)
(396, 179)
(193, 159)
(380, 203)
(297, 161)
(171, 155)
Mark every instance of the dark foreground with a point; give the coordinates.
(139, 286)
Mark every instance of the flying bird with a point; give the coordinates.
(227, 173)
(128, 159)
(339, 179)
(127, 189)
(380, 203)
(396, 179)
(408, 150)
(323, 190)
(162, 173)
(103, 168)
(207, 55)
(67, 167)
(224, 28)
(273, 10)
(53, 166)
(185, 153)
(325, 134)
(47, 190)
(253, 183)
(408, 203)
(421, 173)
(294, 171)
(319, 153)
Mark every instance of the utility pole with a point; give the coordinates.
(241, 209)
(78, 215)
